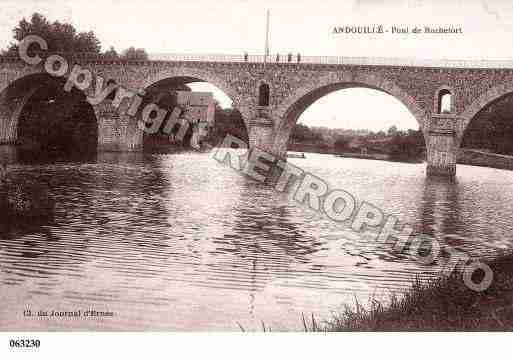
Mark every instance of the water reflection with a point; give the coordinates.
(440, 211)
(182, 242)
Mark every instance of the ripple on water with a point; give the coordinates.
(181, 242)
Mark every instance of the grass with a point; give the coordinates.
(443, 304)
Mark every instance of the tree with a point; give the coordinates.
(87, 42)
(377, 135)
(60, 37)
(111, 54)
(134, 54)
(407, 146)
(228, 122)
(392, 130)
(302, 133)
(342, 143)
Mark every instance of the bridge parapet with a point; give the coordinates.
(296, 59)
(337, 60)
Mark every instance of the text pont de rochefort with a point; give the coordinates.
(380, 29)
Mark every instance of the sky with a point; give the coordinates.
(236, 26)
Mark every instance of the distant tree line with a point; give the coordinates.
(399, 145)
(407, 145)
(302, 133)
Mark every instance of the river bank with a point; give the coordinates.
(371, 155)
(443, 304)
(481, 158)
(364, 156)
(380, 157)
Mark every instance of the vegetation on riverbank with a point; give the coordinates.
(393, 145)
(444, 304)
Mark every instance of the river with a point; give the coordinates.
(181, 242)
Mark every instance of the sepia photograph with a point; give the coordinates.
(255, 167)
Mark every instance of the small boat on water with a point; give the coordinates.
(296, 155)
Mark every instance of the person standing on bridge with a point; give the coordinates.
(298, 57)
(277, 57)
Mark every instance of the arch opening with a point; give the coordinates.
(491, 128)
(355, 117)
(42, 119)
(444, 101)
(171, 136)
(263, 94)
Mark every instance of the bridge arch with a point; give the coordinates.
(490, 96)
(37, 113)
(290, 110)
(18, 74)
(177, 77)
(200, 75)
(483, 106)
(12, 100)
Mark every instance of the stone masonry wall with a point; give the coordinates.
(295, 86)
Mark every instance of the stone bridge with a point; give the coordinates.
(271, 96)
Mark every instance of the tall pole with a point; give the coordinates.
(267, 36)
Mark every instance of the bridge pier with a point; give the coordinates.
(262, 136)
(262, 133)
(442, 145)
(117, 132)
